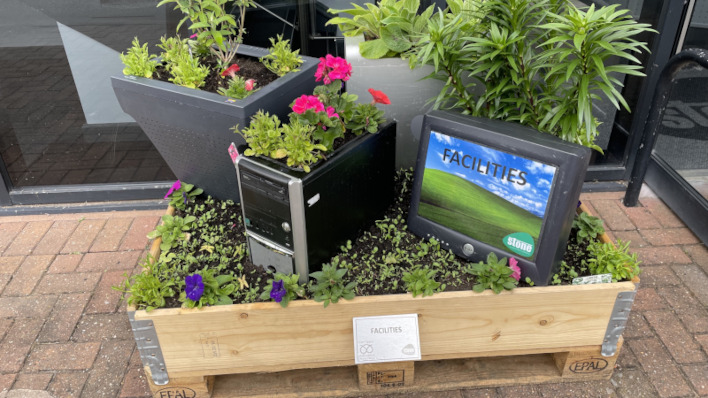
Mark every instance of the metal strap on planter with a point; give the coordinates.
(149, 348)
(618, 321)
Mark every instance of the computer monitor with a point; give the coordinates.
(484, 186)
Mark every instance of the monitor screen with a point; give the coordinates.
(486, 186)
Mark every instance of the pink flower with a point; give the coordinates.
(333, 68)
(513, 264)
(231, 71)
(194, 36)
(176, 186)
(379, 97)
(306, 102)
(249, 84)
(331, 113)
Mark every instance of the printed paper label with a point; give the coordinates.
(593, 279)
(389, 338)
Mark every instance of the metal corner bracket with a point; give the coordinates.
(618, 321)
(149, 348)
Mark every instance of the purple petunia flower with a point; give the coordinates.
(277, 292)
(177, 185)
(194, 287)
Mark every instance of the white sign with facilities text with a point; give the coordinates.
(389, 338)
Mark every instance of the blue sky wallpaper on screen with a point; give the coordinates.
(528, 186)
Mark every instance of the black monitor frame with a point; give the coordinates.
(571, 162)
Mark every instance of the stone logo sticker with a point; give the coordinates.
(520, 243)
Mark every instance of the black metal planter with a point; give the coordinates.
(192, 129)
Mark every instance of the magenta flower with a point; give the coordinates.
(513, 264)
(249, 84)
(231, 71)
(333, 68)
(277, 292)
(306, 102)
(176, 186)
(194, 36)
(331, 113)
(194, 287)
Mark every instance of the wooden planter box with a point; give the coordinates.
(568, 324)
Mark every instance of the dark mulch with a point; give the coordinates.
(251, 68)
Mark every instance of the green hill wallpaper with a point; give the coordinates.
(467, 208)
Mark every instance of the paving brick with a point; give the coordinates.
(81, 240)
(526, 391)
(647, 299)
(5, 324)
(32, 381)
(68, 283)
(699, 255)
(26, 307)
(688, 309)
(658, 276)
(65, 263)
(8, 233)
(28, 238)
(698, 377)
(136, 237)
(106, 299)
(6, 381)
(612, 215)
(9, 264)
(626, 361)
(676, 339)
(24, 330)
(593, 196)
(63, 356)
(695, 279)
(109, 369)
(669, 236)
(633, 237)
(55, 238)
(632, 384)
(662, 213)
(662, 255)
(68, 385)
(13, 356)
(136, 362)
(4, 280)
(443, 394)
(480, 393)
(598, 388)
(30, 272)
(641, 217)
(111, 235)
(135, 385)
(65, 315)
(637, 326)
(662, 372)
(101, 327)
(109, 261)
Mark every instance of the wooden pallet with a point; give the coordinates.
(399, 377)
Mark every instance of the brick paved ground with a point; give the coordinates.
(63, 330)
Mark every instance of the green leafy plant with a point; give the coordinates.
(589, 227)
(421, 281)
(173, 49)
(215, 27)
(187, 71)
(281, 58)
(538, 63)
(390, 27)
(329, 285)
(316, 120)
(283, 289)
(567, 273)
(181, 194)
(494, 274)
(606, 258)
(150, 288)
(138, 61)
(239, 88)
(216, 291)
(172, 230)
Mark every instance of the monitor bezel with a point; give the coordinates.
(570, 160)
